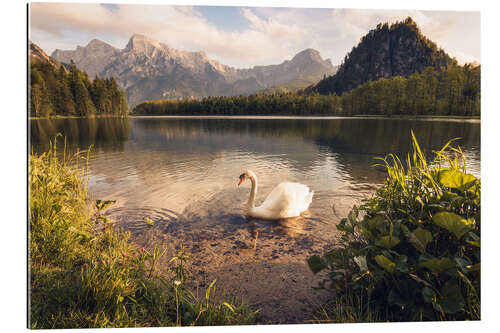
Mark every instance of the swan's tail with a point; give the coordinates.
(308, 200)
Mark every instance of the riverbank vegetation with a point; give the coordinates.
(412, 251)
(81, 277)
(63, 92)
(452, 91)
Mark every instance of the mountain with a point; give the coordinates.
(149, 70)
(387, 51)
(37, 55)
(89, 58)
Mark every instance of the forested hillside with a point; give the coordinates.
(57, 90)
(396, 50)
(455, 91)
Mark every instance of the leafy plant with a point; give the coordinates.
(412, 251)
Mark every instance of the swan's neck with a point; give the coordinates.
(253, 192)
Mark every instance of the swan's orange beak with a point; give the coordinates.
(242, 178)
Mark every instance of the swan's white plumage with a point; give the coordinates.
(285, 200)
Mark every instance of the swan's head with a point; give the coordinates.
(245, 175)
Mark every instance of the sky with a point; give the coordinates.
(243, 36)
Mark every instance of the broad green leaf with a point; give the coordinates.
(388, 241)
(374, 222)
(438, 264)
(456, 179)
(401, 263)
(420, 238)
(316, 264)
(366, 233)
(451, 299)
(404, 229)
(361, 262)
(453, 223)
(428, 294)
(337, 257)
(385, 263)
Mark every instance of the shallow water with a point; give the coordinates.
(183, 174)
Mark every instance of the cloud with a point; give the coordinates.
(272, 35)
(180, 27)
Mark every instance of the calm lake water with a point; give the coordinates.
(183, 174)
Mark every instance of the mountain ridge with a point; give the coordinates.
(166, 72)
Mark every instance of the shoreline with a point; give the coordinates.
(317, 117)
(77, 117)
(313, 117)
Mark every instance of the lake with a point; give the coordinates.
(182, 173)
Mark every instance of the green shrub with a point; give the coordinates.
(412, 251)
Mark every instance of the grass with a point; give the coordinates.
(81, 278)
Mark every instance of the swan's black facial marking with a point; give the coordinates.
(242, 178)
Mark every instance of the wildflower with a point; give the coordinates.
(143, 249)
(177, 282)
(124, 254)
(120, 263)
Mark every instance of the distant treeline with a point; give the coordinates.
(453, 91)
(71, 93)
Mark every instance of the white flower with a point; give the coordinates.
(177, 282)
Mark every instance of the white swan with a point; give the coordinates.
(285, 200)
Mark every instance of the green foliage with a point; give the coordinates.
(387, 51)
(62, 92)
(454, 90)
(258, 104)
(412, 251)
(81, 277)
(423, 93)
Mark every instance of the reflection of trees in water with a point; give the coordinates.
(357, 142)
(354, 142)
(107, 134)
(351, 142)
(354, 135)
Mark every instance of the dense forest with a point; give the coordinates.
(453, 91)
(399, 49)
(69, 92)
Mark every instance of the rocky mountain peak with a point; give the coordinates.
(96, 44)
(148, 69)
(142, 44)
(36, 54)
(307, 55)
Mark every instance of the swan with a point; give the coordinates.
(285, 200)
